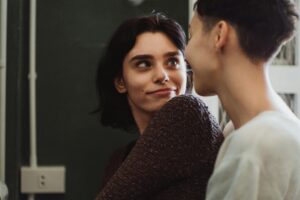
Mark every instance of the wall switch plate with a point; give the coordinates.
(46, 179)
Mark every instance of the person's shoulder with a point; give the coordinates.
(189, 114)
(186, 98)
(188, 109)
(282, 130)
(269, 133)
(185, 103)
(275, 125)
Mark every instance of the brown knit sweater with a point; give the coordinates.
(174, 157)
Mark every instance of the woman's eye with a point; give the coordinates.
(143, 64)
(173, 62)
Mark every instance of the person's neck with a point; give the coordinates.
(246, 92)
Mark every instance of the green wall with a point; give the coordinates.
(71, 35)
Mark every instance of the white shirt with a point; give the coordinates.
(260, 160)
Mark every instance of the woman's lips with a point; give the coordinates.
(163, 92)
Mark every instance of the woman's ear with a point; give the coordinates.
(120, 85)
(221, 34)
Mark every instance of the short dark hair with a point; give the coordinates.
(113, 106)
(262, 25)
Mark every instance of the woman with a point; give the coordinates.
(142, 70)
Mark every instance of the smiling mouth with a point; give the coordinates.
(162, 92)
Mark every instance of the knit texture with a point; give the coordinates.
(173, 158)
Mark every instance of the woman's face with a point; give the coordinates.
(154, 71)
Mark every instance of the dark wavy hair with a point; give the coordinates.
(113, 106)
(262, 25)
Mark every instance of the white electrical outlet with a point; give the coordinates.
(46, 179)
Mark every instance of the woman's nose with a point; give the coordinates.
(161, 75)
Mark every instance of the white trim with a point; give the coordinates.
(3, 88)
(32, 88)
(32, 83)
(191, 5)
(285, 79)
(213, 105)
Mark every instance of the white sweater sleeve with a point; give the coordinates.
(236, 178)
(259, 161)
(262, 170)
(249, 178)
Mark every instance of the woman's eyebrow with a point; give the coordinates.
(172, 53)
(141, 57)
(147, 56)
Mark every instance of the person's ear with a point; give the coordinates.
(120, 84)
(221, 37)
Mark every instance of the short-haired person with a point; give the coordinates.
(141, 81)
(231, 44)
